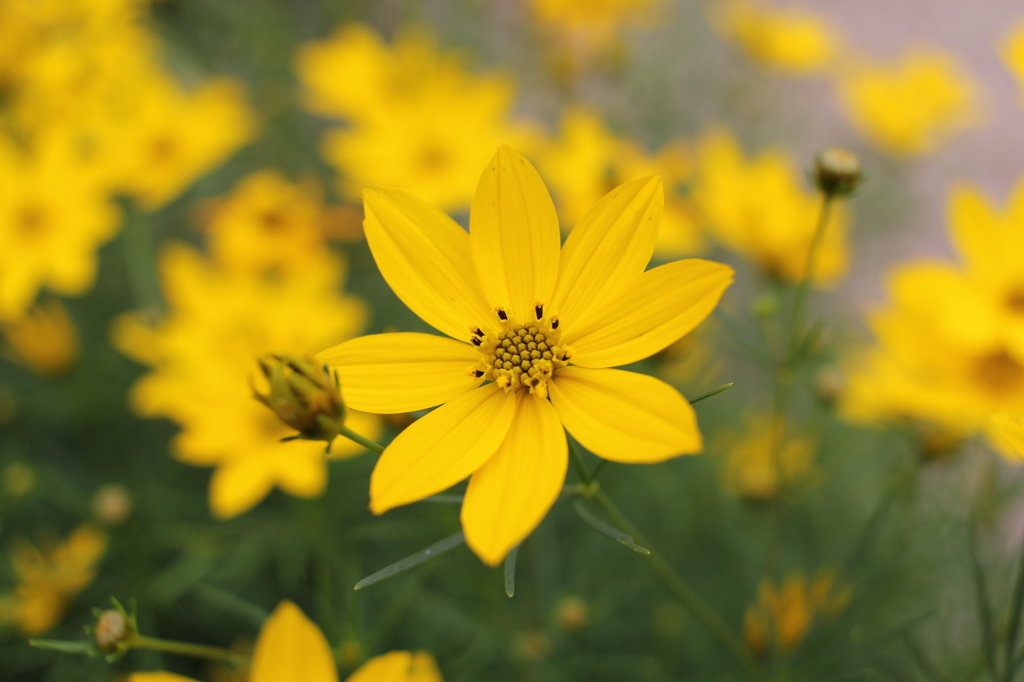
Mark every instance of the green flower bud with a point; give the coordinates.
(837, 172)
(304, 395)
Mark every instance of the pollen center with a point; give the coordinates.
(520, 356)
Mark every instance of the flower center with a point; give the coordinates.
(519, 356)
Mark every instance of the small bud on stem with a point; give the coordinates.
(304, 395)
(837, 172)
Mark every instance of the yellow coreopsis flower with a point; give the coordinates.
(49, 577)
(784, 614)
(204, 360)
(44, 340)
(592, 23)
(951, 342)
(420, 120)
(291, 648)
(1012, 51)
(911, 106)
(755, 472)
(54, 216)
(758, 208)
(788, 39)
(587, 161)
(541, 325)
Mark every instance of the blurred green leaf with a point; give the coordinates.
(408, 562)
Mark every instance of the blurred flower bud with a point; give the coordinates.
(532, 646)
(572, 613)
(828, 385)
(19, 479)
(112, 504)
(351, 654)
(765, 305)
(303, 395)
(113, 630)
(837, 172)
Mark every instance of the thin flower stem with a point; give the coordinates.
(581, 465)
(140, 260)
(1015, 615)
(700, 610)
(365, 442)
(803, 289)
(186, 649)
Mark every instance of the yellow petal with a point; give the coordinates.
(237, 487)
(610, 246)
(158, 677)
(425, 257)
(625, 416)
(1006, 432)
(510, 495)
(442, 448)
(652, 312)
(402, 372)
(514, 236)
(974, 225)
(398, 666)
(290, 648)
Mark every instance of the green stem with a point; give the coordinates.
(186, 649)
(719, 629)
(1015, 615)
(140, 260)
(365, 442)
(803, 289)
(581, 465)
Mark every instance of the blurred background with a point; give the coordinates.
(180, 188)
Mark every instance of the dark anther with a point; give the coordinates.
(501, 314)
(539, 310)
(476, 341)
(479, 332)
(554, 323)
(478, 373)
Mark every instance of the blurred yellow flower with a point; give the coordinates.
(291, 648)
(1012, 51)
(53, 217)
(1005, 430)
(418, 119)
(911, 106)
(785, 38)
(587, 161)
(203, 356)
(267, 224)
(759, 208)
(534, 321)
(754, 471)
(49, 577)
(44, 340)
(172, 137)
(784, 614)
(950, 347)
(592, 23)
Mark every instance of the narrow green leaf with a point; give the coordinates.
(443, 499)
(510, 572)
(603, 528)
(713, 392)
(984, 610)
(414, 560)
(1015, 614)
(86, 647)
(231, 603)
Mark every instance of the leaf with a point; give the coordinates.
(713, 392)
(443, 499)
(510, 572)
(408, 562)
(231, 603)
(603, 528)
(85, 647)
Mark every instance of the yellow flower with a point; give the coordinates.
(758, 208)
(752, 469)
(1005, 430)
(44, 340)
(788, 39)
(912, 106)
(291, 648)
(48, 579)
(534, 321)
(1012, 51)
(785, 613)
(592, 22)
(53, 217)
(587, 161)
(203, 357)
(420, 121)
(951, 341)
(267, 224)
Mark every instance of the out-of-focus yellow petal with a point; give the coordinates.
(1006, 432)
(625, 416)
(291, 648)
(402, 372)
(425, 257)
(158, 677)
(510, 495)
(650, 313)
(974, 225)
(442, 448)
(609, 247)
(398, 666)
(237, 487)
(514, 235)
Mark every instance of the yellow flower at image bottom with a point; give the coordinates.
(291, 648)
(44, 340)
(539, 326)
